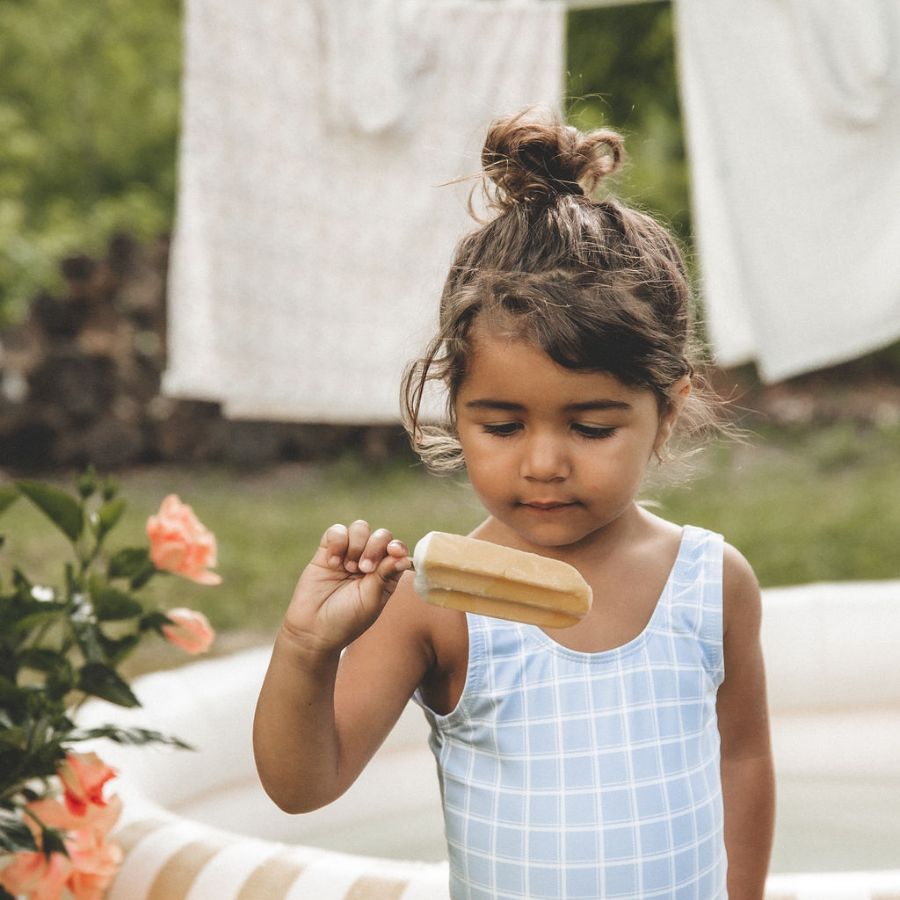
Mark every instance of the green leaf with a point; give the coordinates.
(142, 577)
(117, 650)
(109, 514)
(21, 582)
(111, 604)
(40, 658)
(154, 620)
(110, 488)
(14, 737)
(131, 736)
(128, 562)
(88, 636)
(14, 833)
(87, 482)
(52, 842)
(63, 510)
(11, 694)
(43, 613)
(101, 681)
(8, 496)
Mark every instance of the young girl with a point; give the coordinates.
(628, 755)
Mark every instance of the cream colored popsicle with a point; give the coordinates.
(480, 577)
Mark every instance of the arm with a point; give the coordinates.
(748, 781)
(321, 715)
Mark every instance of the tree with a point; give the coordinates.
(622, 75)
(89, 114)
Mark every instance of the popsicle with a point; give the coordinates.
(480, 577)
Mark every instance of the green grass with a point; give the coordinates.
(267, 526)
(802, 506)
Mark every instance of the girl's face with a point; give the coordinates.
(555, 455)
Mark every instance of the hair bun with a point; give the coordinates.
(530, 158)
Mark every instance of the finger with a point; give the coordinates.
(398, 548)
(377, 587)
(375, 550)
(333, 546)
(359, 536)
(392, 567)
(397, 561)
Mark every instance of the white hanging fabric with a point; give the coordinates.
(792, 110)
(312, 233)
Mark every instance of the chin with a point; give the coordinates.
(552, 535)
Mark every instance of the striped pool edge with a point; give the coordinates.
(167, 858)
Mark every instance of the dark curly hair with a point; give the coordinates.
(596, 284)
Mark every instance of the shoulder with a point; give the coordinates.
(741, 600)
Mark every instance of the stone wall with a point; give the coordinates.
(80, 382)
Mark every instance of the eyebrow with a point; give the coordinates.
(584, 406)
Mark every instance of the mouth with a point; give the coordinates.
(547, 505)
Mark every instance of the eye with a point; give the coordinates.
(503, 429)
(594, 432)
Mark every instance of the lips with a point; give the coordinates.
(547, 505)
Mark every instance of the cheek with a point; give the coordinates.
(617, 467)
(479, 446)
(484, 464)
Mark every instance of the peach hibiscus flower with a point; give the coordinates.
(94, 863)
(180, 543)
(190, 630)
(85, 873)
(83, 776)
(54, 814)
(36, 875)
(92, 860)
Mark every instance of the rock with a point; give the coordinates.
(110, 443)
(81, 386)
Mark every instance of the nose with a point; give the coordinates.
(545, 458)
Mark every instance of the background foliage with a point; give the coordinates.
(621, 74)
(89, 112)
(89, 96)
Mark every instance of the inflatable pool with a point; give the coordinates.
(198, 825)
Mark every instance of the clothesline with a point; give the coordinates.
(598, 4)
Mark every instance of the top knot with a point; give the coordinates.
(533, 159)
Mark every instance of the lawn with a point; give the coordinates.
(801, 504)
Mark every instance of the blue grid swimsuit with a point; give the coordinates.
(591, 775)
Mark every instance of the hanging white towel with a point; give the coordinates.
(372, 55)
(310, 249)
(793, 122)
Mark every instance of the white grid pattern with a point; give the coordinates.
(591, 775)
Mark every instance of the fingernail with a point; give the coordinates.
(350, 565)
(366, 565)
(334, 561)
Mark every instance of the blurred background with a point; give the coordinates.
(90, 112)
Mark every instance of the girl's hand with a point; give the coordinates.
(345, 587)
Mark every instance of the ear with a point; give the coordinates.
(678, 395)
